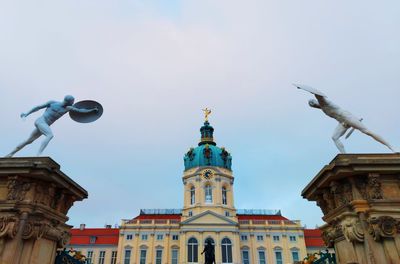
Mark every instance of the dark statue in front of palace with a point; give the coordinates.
(210, 253)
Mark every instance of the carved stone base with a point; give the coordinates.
(359, 195)
(35, 197)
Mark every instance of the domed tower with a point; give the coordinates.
(208, 179)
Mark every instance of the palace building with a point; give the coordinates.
(209, 214)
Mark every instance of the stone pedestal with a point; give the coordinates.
(359, 195)
(35, 197)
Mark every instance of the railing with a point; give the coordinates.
(241, 222)
(152, 221)
(269, 222)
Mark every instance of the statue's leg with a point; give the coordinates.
(377, 138)
(34, 135)
(360, 126)
(340, 130)
(45, 129)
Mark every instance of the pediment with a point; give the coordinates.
(209, 218)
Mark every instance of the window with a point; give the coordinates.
(158, 256)
(102, 255)
(174, 256)
(92, 239)
(129, 237)
(208, 192)
(275, 238)
(278, 257)
(245, 257)
(226, 249)
(160, 237)
(292, 238)
(260, 238)
(89, 257)
(190, 213)
(224, 199)
(175, 237)
(226, 213)
(114, 257)
(192, 250)
(143, 256)
(243, 237)
(192, 195)
(295, 256)
(261, 257)
(127, 257)
(144, 237)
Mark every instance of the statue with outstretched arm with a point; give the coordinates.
(346, 119)
(54, 110)
(210, 253)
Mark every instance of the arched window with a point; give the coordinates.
(278, 255)
(295, 254)
(224, 198)
(226, 250)
(192, 195)
(208, 193)
(192, 250)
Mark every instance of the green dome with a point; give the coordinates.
(207, 153)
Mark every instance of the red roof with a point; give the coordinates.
(261, 217)
(158, 216)
(313, 238)
(104, 236)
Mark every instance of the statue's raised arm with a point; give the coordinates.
(321, 97)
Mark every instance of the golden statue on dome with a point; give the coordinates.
(207, 112)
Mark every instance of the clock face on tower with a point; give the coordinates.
(207, 174)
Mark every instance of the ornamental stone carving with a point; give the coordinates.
(383, 227)
(17, 189)
(353, 230)
(8, 227)
(374, 186)
(63, 239)
(45, 194)
(361, 186)
(342, 193)
(326, 200)
(328, 237)
(331, 233)
(28, 230)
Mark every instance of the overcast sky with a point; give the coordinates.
(154, 65)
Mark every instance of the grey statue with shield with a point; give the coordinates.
(83, 112)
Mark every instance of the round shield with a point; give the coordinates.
(86, 117)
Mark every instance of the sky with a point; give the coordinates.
(154, 65)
